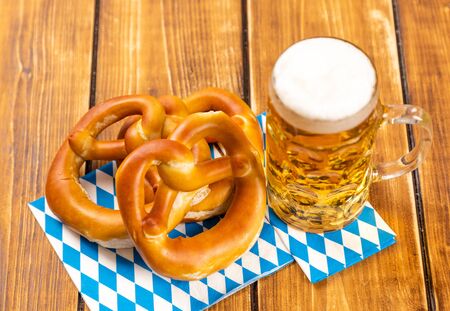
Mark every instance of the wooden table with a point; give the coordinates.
(58, 58)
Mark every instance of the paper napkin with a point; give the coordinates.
(111, 279)
(321, 255)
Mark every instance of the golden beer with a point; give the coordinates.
(319, 146)
(319, 181)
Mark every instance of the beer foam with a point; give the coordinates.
(324, 79)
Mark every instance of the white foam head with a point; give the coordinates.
(324, 85)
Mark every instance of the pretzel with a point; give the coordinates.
(65, 195)
(212, 200)
(212, 250)
(210, 99)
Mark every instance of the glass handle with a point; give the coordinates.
(406, 114)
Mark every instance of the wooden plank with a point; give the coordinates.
(44, 89)
(392, 279)
(425, 32)
(170, 47)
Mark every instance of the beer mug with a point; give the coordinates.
(323, 116)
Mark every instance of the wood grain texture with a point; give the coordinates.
(170, 47)
(44, 89)
(425, 32)
(392, 279)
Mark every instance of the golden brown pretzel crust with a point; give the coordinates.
(215, 202)
(209, 99)
(215, 99)
(212, 250)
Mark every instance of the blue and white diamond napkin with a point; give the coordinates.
(110, 279)
(321, 255)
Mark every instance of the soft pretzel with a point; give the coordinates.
(214, 99)
(212, 250)
(64, 194)
(209, 202)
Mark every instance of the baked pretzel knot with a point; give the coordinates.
(212, 200)
(212, 250)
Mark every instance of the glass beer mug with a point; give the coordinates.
(323, 116)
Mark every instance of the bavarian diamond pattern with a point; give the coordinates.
(321, 255)
(111, 279)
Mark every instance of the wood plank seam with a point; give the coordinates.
(94, 55)
(247, 98)
(415, 174)
(245, 55)
(92, 92)
(93, 87)
(80, 303)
